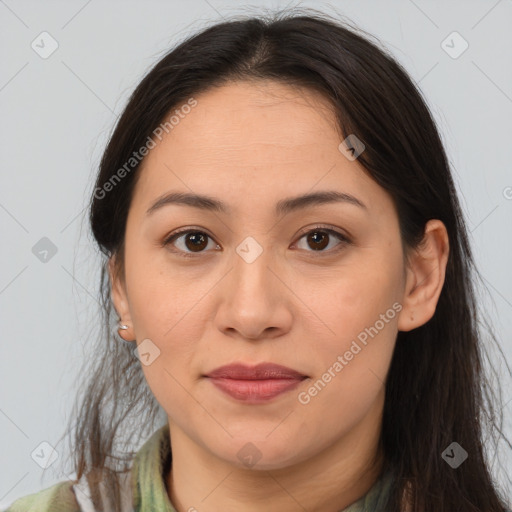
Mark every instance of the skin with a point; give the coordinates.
(251, 145)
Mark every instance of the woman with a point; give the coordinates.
(289, 265)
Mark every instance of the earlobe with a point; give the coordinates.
(425, 277)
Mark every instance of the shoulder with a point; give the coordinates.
(57, 498)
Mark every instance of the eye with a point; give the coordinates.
(190, 241)
(318, 239)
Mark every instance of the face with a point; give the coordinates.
(315, 288)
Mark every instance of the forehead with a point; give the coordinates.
(248, 121)
(260, 139)
(244, 101)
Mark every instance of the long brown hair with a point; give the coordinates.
(437, 391)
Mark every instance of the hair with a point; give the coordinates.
(437, 389)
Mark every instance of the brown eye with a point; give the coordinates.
(196, 241)
(319, 238)
(189, 242)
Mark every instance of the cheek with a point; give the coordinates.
(159, 298)
(350, 367)
(359, 313)
(358, 297)
(167, 312)
(168, 383)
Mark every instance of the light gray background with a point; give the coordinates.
(58, 112)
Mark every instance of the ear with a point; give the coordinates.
(426, 270)
(120, 300)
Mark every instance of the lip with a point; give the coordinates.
(255, 384)
(262, 371)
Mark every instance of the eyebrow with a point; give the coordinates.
(283, 206)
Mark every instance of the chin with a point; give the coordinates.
(253, 453)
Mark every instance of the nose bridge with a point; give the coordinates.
(251, 272)
(252, 301)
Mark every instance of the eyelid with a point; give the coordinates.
(188, 229)
(325, 227)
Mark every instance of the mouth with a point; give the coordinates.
(255, 384)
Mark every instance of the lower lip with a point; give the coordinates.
(255, 391)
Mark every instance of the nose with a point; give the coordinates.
(255, 301)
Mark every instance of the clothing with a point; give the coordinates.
(144, 489)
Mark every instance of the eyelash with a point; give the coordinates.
(320, 228)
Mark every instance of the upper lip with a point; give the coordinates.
(262, 371)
